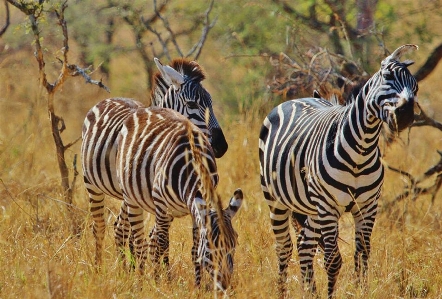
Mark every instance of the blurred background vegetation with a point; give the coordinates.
(255, 55)
(120, 38)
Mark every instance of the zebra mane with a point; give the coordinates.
(354, 91)
(341, 97)
(190, 69)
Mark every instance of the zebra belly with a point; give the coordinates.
(166, 205)
(99, 148)
(288, 190)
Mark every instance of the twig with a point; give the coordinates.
(247, 55)
(7, 21)
(72, 143)
(13, 199)
(430, 64)
(404, 173)
(207, 27)
(167, 26)
(61, 246)
(76, 70)
(63, 203)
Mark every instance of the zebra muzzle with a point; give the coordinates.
(218, 143)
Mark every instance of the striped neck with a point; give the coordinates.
(359, 134)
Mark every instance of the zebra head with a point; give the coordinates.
(217, 247)
(178, 87)
(396, 92)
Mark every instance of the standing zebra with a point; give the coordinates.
(166, 166)
(177, 87)
(319, 160)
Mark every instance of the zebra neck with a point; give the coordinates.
(360, 131)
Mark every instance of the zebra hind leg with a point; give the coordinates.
(195, 260)
(122, 234)
(159, 243)
(136, 220)
(96, 208)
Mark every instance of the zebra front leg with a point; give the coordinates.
(96, 208)
(122, 233)
(136, 220)
(332, 257)
(364, 218)
(280, 222)
(307, 244)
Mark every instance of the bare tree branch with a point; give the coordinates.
(26, 8)
(207, 27)
(310, 20)
(164, 35)
(167, 26)
(7, 21)
(76, 70)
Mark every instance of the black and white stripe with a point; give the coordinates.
(319, 160)
(166, 167)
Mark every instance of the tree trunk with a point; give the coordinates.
(364, 24)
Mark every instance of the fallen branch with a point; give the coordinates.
(413, 189)
(422, 119)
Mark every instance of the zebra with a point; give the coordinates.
(166, 166)
(177, 87)
(319, 160)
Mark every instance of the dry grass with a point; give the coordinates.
(40, 258)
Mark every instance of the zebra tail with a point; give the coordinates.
(207, 187)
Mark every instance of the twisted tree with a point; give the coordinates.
(35, 11)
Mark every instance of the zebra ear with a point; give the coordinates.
(234, 204)
(316, 94)
(396, 55)
(169, 74)
(408, 62)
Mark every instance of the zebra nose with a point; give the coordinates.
(218, 143)
(404, 115)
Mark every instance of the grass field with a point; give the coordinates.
(41, 258)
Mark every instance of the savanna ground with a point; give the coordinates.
(41, 258)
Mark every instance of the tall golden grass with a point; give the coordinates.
(40, 258)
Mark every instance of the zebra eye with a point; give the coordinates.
(192, 105)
